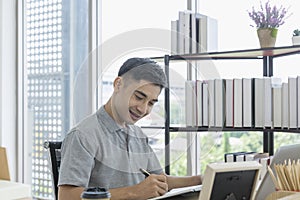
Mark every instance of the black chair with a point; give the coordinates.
(54, 149)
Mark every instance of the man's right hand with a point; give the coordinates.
(153, 186)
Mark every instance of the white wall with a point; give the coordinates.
(8, 82)
(1, 17)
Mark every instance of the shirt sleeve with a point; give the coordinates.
(76, 162)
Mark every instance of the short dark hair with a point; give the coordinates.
(144, 69)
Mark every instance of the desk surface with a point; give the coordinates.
(14, 190)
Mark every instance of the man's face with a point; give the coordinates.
(133, 100)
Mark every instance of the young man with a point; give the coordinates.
(107, 150)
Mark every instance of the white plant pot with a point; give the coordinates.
(296, 40)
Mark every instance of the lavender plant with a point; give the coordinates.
(268, 16)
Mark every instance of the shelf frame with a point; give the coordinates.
(266, 54)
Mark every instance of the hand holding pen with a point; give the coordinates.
(154, 184)
(145, 172)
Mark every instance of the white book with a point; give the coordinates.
(205, 103)
(219, 102)
(259, 102)
(229, 102)
(285, 105)
(267, 102)
(276, 115)
(201, 33)
(240, 158)
(190, 103)
(250, 156)
(187, 31)
(229, 157)
(276, 102)
(292, 84)
(298, 100)
(208, 33)
(247, 102)
(211, 103)
(174, 37)
(212, 34)
(237, 102)
(199, 102)
(181, 31)
(193, 39)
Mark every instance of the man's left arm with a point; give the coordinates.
(183, 181)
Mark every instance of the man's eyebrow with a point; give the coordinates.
(144, 95)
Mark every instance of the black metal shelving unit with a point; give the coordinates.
(265, 54)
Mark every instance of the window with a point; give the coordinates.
(56, 46)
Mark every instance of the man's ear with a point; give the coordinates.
(117, 83)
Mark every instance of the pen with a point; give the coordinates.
(145, 172)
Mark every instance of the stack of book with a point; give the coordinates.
(263, 158)
(193, 33)
(243, 103)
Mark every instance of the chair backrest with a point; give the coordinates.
(54, 149)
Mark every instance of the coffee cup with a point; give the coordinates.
(95, 193)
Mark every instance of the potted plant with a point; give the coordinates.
(267, 19)
(296, 37)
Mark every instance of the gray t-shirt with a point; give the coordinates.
(98, 152)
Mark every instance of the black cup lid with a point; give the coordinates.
(95, 193)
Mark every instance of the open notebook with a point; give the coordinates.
(179, 191)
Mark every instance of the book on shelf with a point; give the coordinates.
(208, 33)
(190, 103)
(174, 37)
(187, 31)
(234, 157)
(277, 113)
(219, 102)
(267, 102)
(276, 102)
(199, 102)
(201, 32)
(263, 158)
(250, 156)
(205, 104)
(242, 103)
(285, 105)
(229, 102)
(196, 33)
(244, 156)
(237, 102)
(193, 34)
(258, 102)
(247, 102)
(292, 86)
(211, 102)
(181, 32)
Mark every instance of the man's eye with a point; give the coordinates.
(138, 97)
(151, 103)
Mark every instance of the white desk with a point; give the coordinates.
(12, 190)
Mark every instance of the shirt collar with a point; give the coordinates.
(109, 122)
